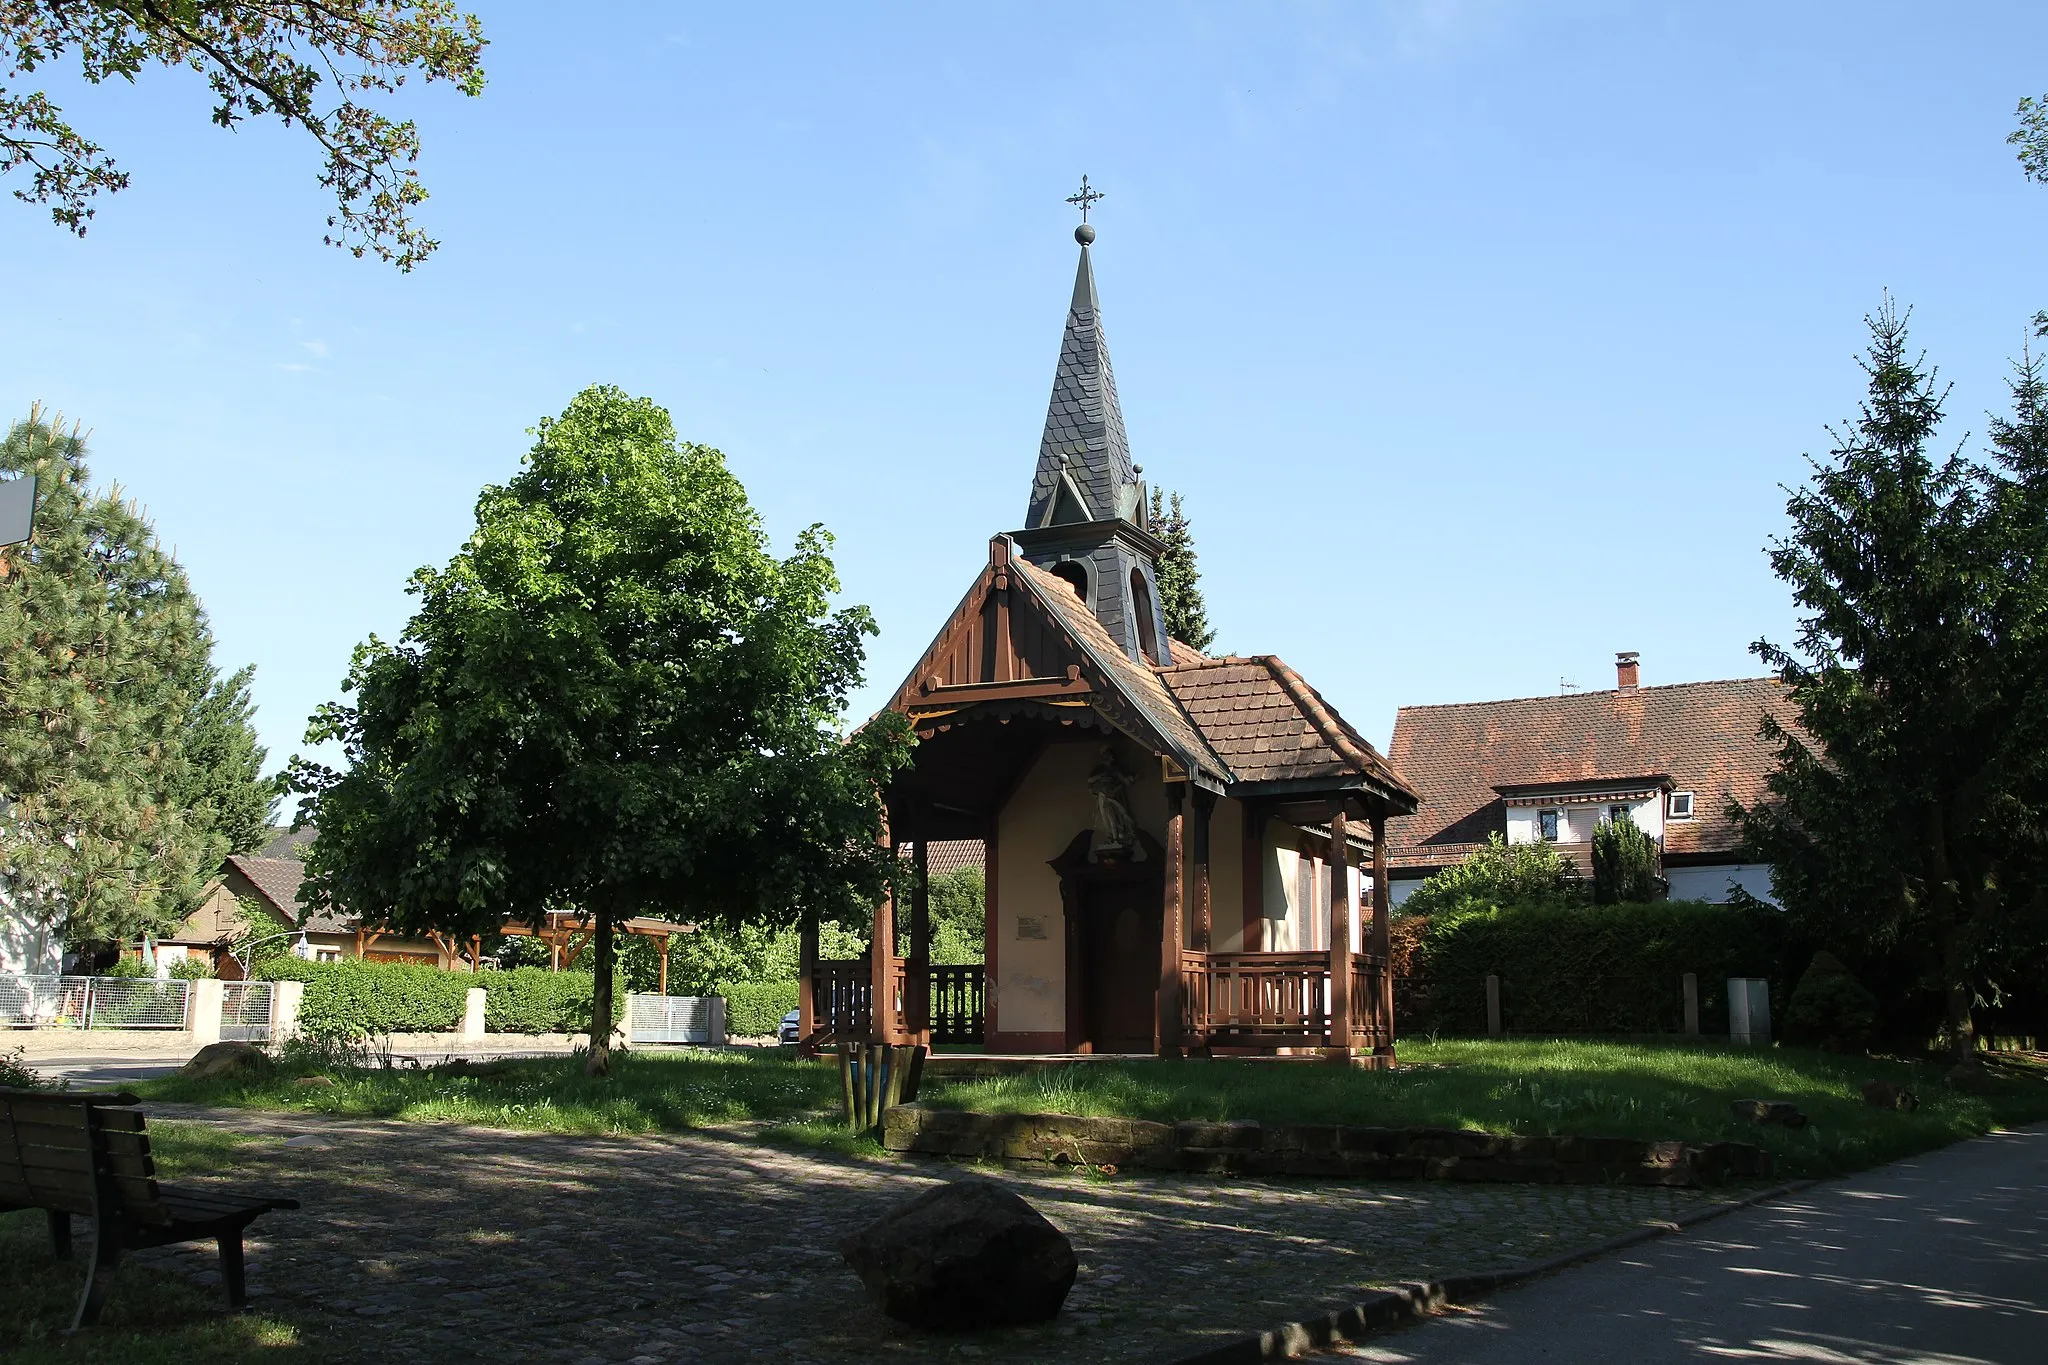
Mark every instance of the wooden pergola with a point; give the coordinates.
(568, 935)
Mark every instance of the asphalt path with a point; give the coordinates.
(1940, 1260)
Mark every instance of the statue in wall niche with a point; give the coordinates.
(1116, 832)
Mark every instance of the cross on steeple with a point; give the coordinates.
(1084, 198)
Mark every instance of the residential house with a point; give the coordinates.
(1671, 759)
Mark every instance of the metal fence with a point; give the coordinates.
(94, 1002)
(248, 1011)
(674, 1019)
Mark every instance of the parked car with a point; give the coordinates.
(791, 1022)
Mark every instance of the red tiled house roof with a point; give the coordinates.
(1702, 736)
(1269, 725)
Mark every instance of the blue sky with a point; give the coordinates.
(1479, 337)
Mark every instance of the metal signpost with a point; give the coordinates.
(17, 509)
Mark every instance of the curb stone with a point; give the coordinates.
(1412, 1302)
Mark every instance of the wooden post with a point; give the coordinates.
(1689, 984)
(881, 958)
(661, 986)
(917, 987)
(806, 973)
(1167, 1032)
(1339, 1004)
(1204, 931)
(1383, 933)
(1253, 877)
(1493, 1029)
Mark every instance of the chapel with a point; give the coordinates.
(1183, 854)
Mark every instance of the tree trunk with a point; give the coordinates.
(1958, 1028)
(599, 1061)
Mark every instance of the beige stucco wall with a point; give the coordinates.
(1226, 877)
(1050, 806)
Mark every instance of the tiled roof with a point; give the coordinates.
(1084, 424)
(947, 856)
(277, 881)
(1139, 683)
(286, 842)
(1703, 735)
(1269, 725)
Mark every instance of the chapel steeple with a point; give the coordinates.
(1086, 520)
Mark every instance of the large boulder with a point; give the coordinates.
(967, 1254)
(225, 1059)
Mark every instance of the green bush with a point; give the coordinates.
(1624, 864)
(535, 1000)
(1574, 969)
(356, 999)
(1501, 873)
(1830, 1009)
(754, 1009)
(191, 968)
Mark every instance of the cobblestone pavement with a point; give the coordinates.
(446, 1243)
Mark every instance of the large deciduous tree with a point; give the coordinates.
(614, 700)
(1180, 576)
(1906, 814)
(129, 765)
(258, 59)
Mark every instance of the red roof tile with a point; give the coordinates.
(1703, 735)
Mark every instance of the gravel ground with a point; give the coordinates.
(445, 1243)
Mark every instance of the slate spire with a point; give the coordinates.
(1084, 461)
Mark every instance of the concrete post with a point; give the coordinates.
(473, 1014)
(285, 999)
(1493, 1029)
(1690, 984)
(203, 1016)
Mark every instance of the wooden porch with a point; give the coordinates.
(1230, 1002)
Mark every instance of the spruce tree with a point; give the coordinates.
(1906, 817)
(1180, 577)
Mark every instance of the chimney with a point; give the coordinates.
(1625, 670)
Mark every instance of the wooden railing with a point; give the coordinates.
(1275, 1000)
(840, 998)
(959, 1003)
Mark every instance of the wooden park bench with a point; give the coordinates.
(88, 1153)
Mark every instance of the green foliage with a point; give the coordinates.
(1907, 822)
(1830, 1009)
(356, 999)
(258, 59)
(17, 1074)
(1625, 862)
(127, 969)
(261, 933)
(613, 698)
(754, 1009)
(192, 967)
(1501, 873)
(959, 908)
(102, 657)
(534, 1000)
(221, 785)
(1569, 969)
(1180, 577)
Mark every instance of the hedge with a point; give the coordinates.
(355, 999)
(1595, 968)
(754, 1009)
(535, 1000)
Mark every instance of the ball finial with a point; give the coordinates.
(1084, 234)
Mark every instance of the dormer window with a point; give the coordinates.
(1074, 576)
(1678, 806)
(1546, 825)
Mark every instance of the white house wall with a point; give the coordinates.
(1714, 883)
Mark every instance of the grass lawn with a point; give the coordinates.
(152, 1317)
(647, 1092)
(1539, 1088)
(1591, 1089)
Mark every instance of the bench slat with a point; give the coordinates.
(120, 1120)
(70, 1116)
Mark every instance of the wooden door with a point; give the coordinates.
(1120, 924)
